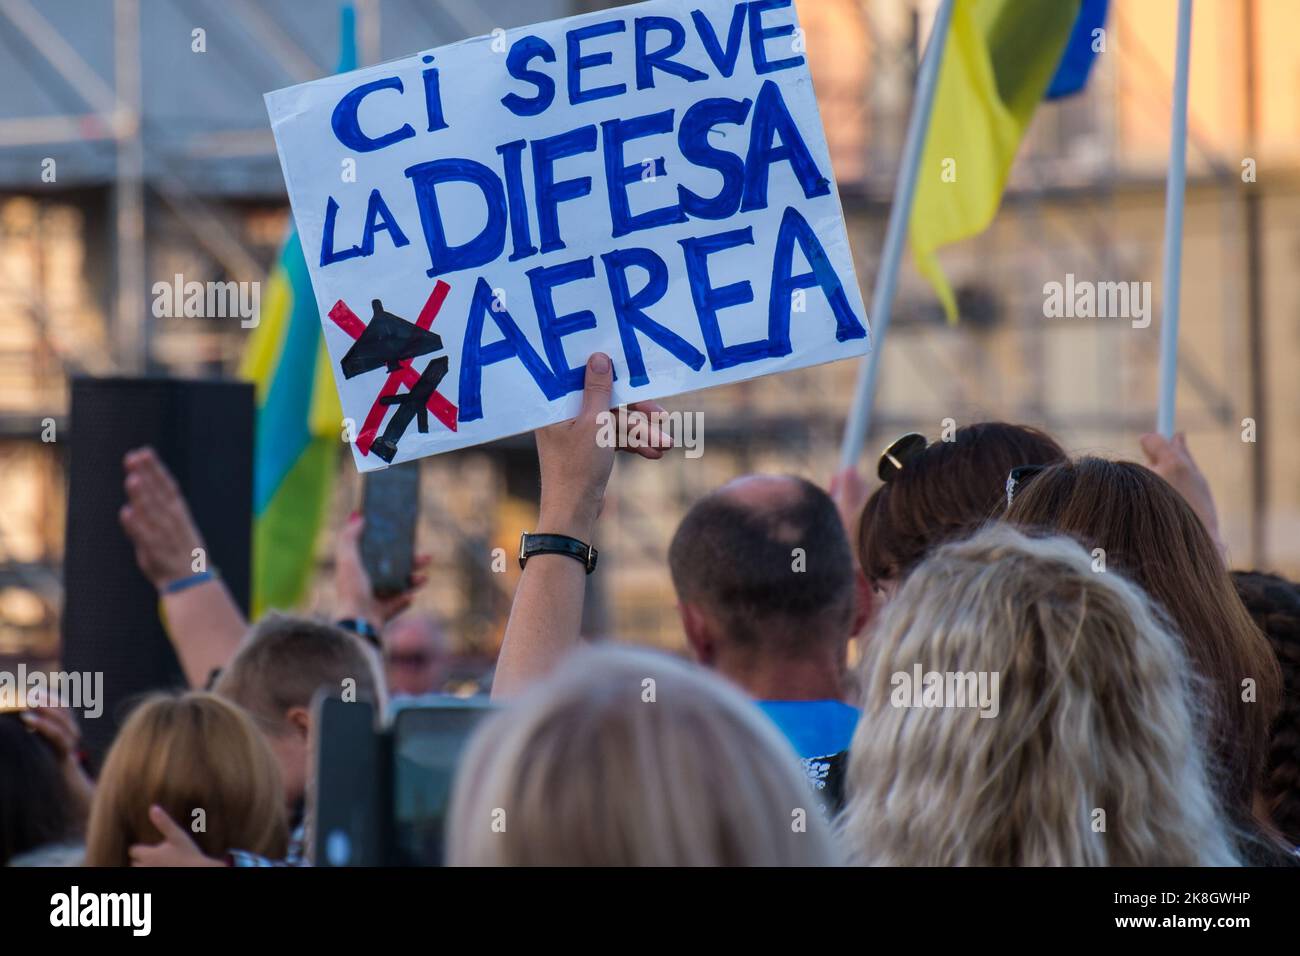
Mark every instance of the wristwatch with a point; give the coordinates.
(531, 545)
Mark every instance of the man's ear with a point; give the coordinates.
(698, 628)
(299, 718)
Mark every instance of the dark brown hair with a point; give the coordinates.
(1148, 532)
(1274, 603)
(945, 493)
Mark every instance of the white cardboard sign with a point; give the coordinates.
(651, 181)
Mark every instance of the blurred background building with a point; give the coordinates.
(127, 157)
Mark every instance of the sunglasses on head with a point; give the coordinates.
(899, 452)
(1018, 476)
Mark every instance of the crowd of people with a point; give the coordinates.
(999, 656)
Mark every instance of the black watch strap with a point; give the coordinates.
(531, 545)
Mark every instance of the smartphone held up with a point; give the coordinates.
(391, 509)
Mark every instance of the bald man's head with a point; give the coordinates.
(767, 557)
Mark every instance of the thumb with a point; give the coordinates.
(171, 831)
(598, 386)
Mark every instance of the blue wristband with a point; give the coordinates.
(175, 587)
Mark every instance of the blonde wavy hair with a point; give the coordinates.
(597, 766)
(184, 753)
(1095, 756)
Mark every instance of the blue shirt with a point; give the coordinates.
(815, 728)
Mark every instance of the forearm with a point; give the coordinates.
(546, 615)
(205, 627)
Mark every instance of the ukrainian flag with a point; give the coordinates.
(299, 420)
(1081, 52)
(999, 60)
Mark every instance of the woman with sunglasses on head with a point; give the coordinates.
(935, 492)
(1145, 529)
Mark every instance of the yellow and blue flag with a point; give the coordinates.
(299, 420)
(1000, 59)
(1080, 52)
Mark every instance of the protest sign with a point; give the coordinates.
(651, 181)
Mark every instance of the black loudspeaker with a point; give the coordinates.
(203, 432)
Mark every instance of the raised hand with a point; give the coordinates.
(57, 726)
(576, 461)
(1172, 460)
(352, 584)
(576, 465)
(203, 622)
(157, 520)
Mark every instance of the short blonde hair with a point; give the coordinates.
(284, 660)
(1095, 714)
(185, 753)
(632, 758)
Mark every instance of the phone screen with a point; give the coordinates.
(391, 509)
(427, 746)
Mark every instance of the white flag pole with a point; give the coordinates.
(882, 295)
(1175, 188)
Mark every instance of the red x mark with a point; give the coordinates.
(439, 406)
